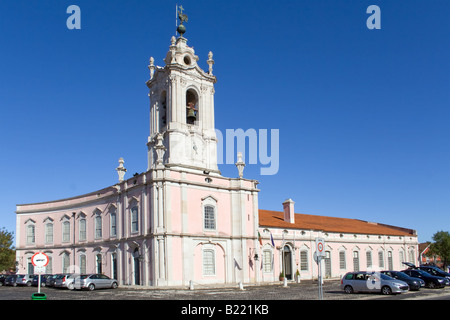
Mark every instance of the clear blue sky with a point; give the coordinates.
(363, 114)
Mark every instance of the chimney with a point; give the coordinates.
(288, 208)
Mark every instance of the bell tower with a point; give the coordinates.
(182, 132)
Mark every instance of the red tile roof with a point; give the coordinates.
(275, 219)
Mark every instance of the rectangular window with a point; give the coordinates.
(82, 225)
(82, 263)
(134, 219)
(390, 261)
(355, 261)
(66, 231)
(49, 233)
(304, 260)
(30, 234)
(267, 261)
(209, 268)
(342, 264)
(113, 224)
(209, 218)
(380, 259)
(369, 259)
(98, 227)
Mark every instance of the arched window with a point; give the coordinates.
(191, 107)
(134, 219)
(163, 111)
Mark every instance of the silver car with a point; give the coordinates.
(372, 282)
(24, 280)
(95, 281)
(64, 280)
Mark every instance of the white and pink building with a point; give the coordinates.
(181, 222)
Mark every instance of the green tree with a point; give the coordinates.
(441, 246)
(7, 251)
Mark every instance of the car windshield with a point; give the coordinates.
(20, 276)
(401, 275)
(385, 277)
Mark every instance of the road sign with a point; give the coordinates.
(320, 247)
(39, 259)
(39, 270)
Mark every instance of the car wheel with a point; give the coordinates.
(386, 290)
(348, 289)
(71, 286)
(91, 287)
(114, 285)
(28, 284)
(432, 285)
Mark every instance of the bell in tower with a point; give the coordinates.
(182, 109)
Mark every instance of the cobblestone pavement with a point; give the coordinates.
(307, 290)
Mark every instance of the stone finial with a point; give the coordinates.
(121, 170)
(210, 62)
(240, 165)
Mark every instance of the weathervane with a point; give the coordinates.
(183, 18)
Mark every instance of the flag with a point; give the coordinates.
(259, 238)
(271, 239)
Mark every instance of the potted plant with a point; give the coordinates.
(281, 276)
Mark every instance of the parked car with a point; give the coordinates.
(372, 282)
(24, 279)
(50, 281)
(11, 280)
(435, 271)
(96, 281)
(35, 281)
(413, 283)
(64, 280)
(2, 279)
(430, 280)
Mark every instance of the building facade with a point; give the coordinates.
(182, 222)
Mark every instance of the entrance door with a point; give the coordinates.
(137, 270)
(287, 262)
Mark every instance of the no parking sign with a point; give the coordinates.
(320, 247)
(39, 261)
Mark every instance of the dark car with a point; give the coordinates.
(50, 281)
(35, 281)
(435, 271)
(11, 280)
(413, 283)
(430, 281)
(2, 279)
